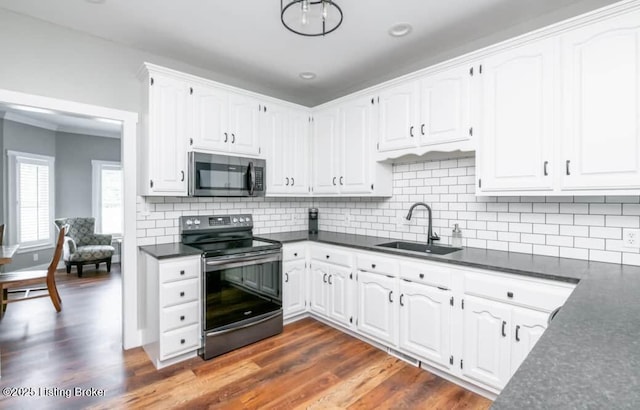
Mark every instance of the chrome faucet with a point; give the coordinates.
(430, 235)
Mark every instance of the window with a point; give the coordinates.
(31, 196)
(107, 197)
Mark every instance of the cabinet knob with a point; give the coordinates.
(421, 276)
(181, 294)
(327, 256)
(510, 295)
(295, 254)
(182, 341)
(182, 272)
(182, 318)
(373, 266)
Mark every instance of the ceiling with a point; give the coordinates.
(61, 122)
(245, 40)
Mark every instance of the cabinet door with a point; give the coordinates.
(243, 124)
(325, 152)
(529, 325)
(518, 118)
(299, 153)
(486, 342)
(340, 295)
(425, 322)
(209, 119)
(377, 307)
(602, 105)
(356, 144)
(277, 139)
(399, 117)
(445, 104)
(293, 294)
(167, 135)
(319, 298)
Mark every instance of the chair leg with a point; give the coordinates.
(79, 267)
(109, 265)
(68, 267)
(54, 295)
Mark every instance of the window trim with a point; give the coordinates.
(96, 191)
(13, 158)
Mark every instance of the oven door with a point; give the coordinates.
(242, 300)
(223, 175)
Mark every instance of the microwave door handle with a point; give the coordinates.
(252, 178)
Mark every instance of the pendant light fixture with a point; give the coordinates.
(310, 18)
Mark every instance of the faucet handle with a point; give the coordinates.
(435, 237)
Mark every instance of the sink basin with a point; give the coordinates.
(420, 247)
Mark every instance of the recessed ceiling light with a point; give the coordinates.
(307, 75)
(109, 121)
(31, 109)
(400, 30)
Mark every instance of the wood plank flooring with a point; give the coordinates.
(309, 366)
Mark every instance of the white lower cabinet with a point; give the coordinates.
(486, 326)
(425, 322)
(294, 294)
(331, 293)
(527, 328)
(377, 307)
(319, 291)
(172, 330)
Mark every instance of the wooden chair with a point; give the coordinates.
(27, 278)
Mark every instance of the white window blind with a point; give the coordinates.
(31, 191)
(107, 197)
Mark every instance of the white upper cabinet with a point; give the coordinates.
(399, 115)
(298, 163)
(601, 77)
(209, 119)
(326, 162)
(519, 93)
(164, 163)
(274, 126)
(355, 147)
(445, 106)
(243, 125)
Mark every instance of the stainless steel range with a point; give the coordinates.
(242, 276)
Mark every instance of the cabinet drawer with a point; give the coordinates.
(293, 252)
(177, 270)
(429, 274)
(182, 291)
(178, 316)
(377, 264)
(179, 341)
(331, 256)
(522, 292)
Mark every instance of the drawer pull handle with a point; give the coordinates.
(181, 294)
(182, 341)
(504, 324)
(181, 272)
(182, 318)
(373, 266)
(421, 276)
(510, 295)
(518, 333)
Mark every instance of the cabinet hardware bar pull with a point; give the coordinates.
(422, 129)
(568, 170)
(546, 171)
(390, 293)
(293, 181)
(518, 333)
(341, 179)
(504, 324)
(329, 280)
(401, 304)
(334, 181)
(324, 277)
(233, 138)
(182, 179)
(411, 131)
(226, 137)
(287, 183)
(286, 277)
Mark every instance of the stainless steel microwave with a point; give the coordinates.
(224, 175)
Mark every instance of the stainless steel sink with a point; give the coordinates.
(420, 247)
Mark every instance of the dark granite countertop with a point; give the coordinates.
(169, 250)
(589, 357)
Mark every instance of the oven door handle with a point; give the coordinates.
(249, 260)
(233, 329)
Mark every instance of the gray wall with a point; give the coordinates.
(74, 153)
(26, 138)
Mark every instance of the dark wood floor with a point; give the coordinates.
(310, 365)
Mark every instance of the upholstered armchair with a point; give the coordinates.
(83, 246)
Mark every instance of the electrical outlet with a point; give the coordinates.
(35, 257)
(631, 238)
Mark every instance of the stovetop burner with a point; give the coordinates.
(222, 235)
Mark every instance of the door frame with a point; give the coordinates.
(131, 335)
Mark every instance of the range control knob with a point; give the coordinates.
(196, 222)
(189, 222)
(241, 220)
(247, 219)
(235, 220)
